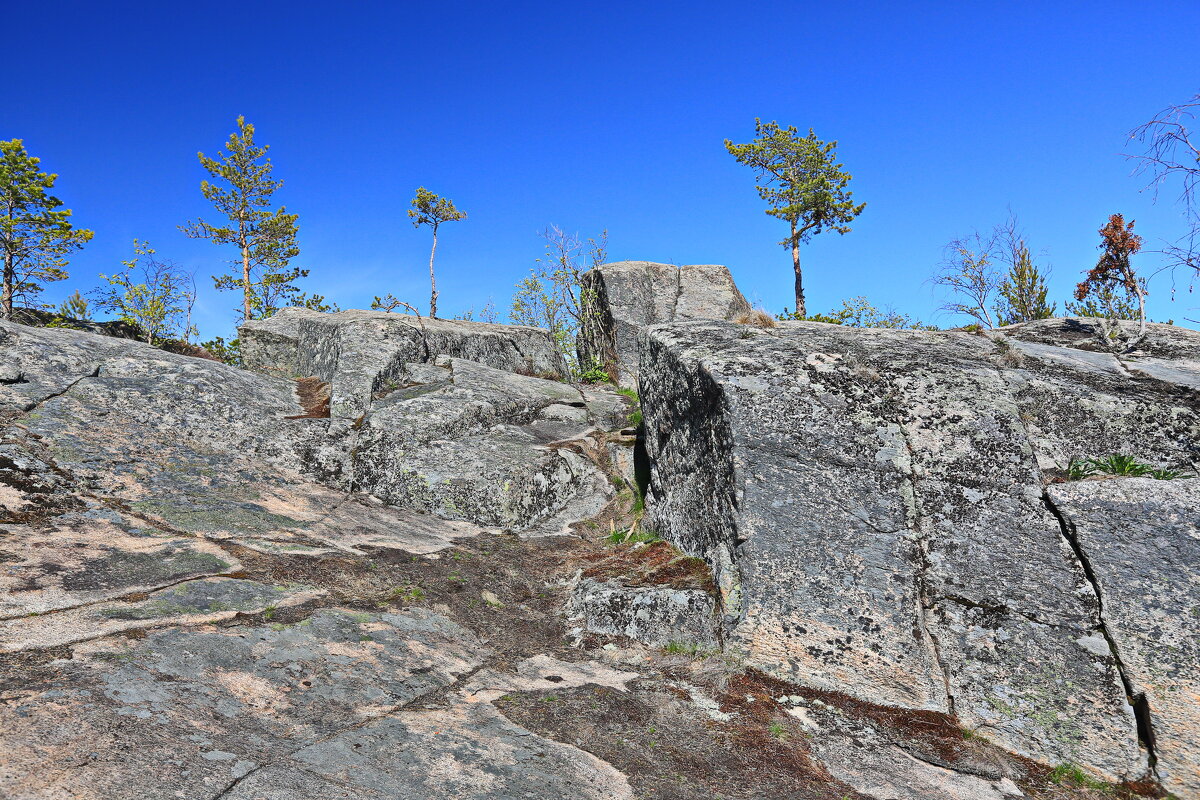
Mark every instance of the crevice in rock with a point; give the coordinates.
(95, 373)
(925, 598)
(1137, 700)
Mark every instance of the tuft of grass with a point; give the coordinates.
(1071, 775)
(633, 536)
(630, 393)
(1122, 465)
(410, 593)
(778, 732)
(758, 318)
(691, 649)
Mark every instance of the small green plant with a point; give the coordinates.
(595, 373)
(1121, 465)
(1080, 468)
(677, 648)
(456, 577)
(633, 536)
(269, 612)
(778, 732)
(630, 393)
(1071, 775)
(635, 418)
(408, 594)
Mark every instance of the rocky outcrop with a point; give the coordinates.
(872, 504)
(621, 299)
(219, 583)
(363, 353)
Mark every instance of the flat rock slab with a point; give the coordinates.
(193, 602)
(360, 353)
(84, 557)
(325, 708)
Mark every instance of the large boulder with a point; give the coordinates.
(873, 505)
(621, 299)
(361, 352)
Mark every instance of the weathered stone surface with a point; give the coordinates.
(656, 615)
(623, 298)
(189, 603)
(871, 502)
(363, 352)
(1141, 539)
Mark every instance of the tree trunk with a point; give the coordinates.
(246, 282)
(6, 310)
(801, 310)
(432, 281)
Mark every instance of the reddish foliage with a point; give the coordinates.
(1119, 242)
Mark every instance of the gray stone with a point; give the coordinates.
(655, 615)
(361, 352)
(623, 298)
(871, 503)
(1141, 541)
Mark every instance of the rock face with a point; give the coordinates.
(445, 417)
(621, 299)
(363, 353)
(872, 504)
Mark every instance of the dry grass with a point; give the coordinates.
(758, 318)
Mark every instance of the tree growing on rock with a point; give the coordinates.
(432, 210)
(1022, 289)
(552, 295)
(265, 238)
(803, 184)
(36, 234)
(1114, 276)
(968, 271)
(157, 296)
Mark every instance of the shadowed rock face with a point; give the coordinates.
(872, 504)
(621, 299)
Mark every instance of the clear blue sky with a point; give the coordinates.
(601, 115)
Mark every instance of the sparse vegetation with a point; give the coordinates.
(595, 373)
(757, 318)
(552, 296)
(1119, 465)
(154, 295)
(858, 312)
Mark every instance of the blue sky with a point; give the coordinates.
(602, 115)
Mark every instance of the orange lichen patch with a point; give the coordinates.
(314, 395)
(655, 564)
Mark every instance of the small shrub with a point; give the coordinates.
(595, 373)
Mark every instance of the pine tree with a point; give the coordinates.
(36, 234)
(265, 239)
(1023, 290)
(432, 210)
(802, 182)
